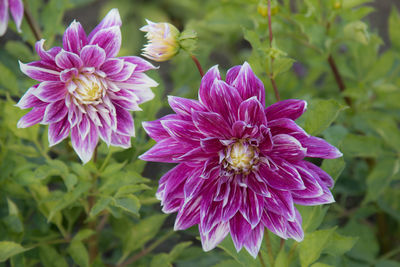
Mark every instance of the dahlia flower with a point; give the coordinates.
(241, 167)
(163, 41)
(85, 90)
(17, 11)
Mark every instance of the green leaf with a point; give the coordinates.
(333, 167)
(357, 31)
(312, 217)
(83, 234)
(320, 264)
(79, 253)
(394, 22)
(8, 79)
(49, 257)
(282, 259)
(361, 146)
(339, 244)
(380, 177)
(227, 263)
(320, 114)
(129, 203)
(9, 249)
(100, 205)
(389, 201)
(164, 259)
(347, 4)
(242, 257)
(112, 168)
(388, 129)
(70, 181)
(312, 246)
(130, 189)
(282, 65)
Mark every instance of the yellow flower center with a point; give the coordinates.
(89, 89)
(240, 157)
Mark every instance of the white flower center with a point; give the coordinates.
(240, 157)
(89, 89)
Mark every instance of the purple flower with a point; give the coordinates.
(85, 90)
(17, 11)
(240, 166)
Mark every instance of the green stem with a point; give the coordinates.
(262, 262)
(271, 37)
(269, 248)
(33, 25)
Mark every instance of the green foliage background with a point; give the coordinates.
(54, 211)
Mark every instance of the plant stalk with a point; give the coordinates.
(198, 65)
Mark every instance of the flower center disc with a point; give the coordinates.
(240, 157)
(89, 89)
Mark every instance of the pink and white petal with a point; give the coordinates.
(166, 150)
(233, 202)
(183, 106)
(58, 131)
(319, 148)
(211, 168)
(290, 108)
(124, 74)
(50, 91)
(252, 112)
(55, 112)
(125, 123)
(93, 56)
(84, 147)
(120, 140)
(211, 144)
(144, 94)
(110, 20)
(257, 186)
(125, 99)
(246, 82)
(323, 176)
(211, 124)
(240, 229)
(287, 147)
(39, 71)
(32, 117)
(206, 83)
(68, 60)
(17, 11)
(254, 240)
(222, 191)
(47, 56)
(294, 229)
(325, 198)
(29, 100)
(105, 129)
(281, 175)
(311, 181)
(280, 202)
(141, 64)
(266, 143)
(68, 74)
(210, 213)
(213, 237)
(275, 223)
(252, 207)
(74, 38)
(189, 214)
(182, 131)
(241, 129)
(112, 66)
(193, 183)
(155, 130)
(287, 126)
(109, 39)
(3, 17)
(195, 156)
(222, 99)
(139, 81)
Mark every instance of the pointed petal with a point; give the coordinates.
(167, 150)
(124, 74)
(32, 117)
(246, 82)
(211, 124)
(49, 55)
(253, 241)
(257, 186)
(111, 19)
(184, 106)
(252, 207)
(233, 202)
(17, 11)
(38, 71)
(288, 147)
(213, 237)
(193, 183)
(281, 203)
(294, 229)
(93, 56)
(189, 214)
(3, 17)
(211, 144)
(84, 147)
(323, 176)
(275, 223)
(319, 148)
(74, 38)
(120, 140)
(109, 39)
(290, 108)
(55, 112)
(182, 131)
(141, 64)
(240, 229)
(287, 126)
(68, 60)
(310, 179)
(125, 125)
(58, 131)
(206, 83)
(50, 91)
(29, 100)
(112, 66)
(252, 112)
(155, 130)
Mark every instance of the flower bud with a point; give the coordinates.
(163, 41)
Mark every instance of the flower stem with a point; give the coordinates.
(196, 61)
(261, 259)
(33, 25)
(338, 78)
(271, 37)
(269, 248)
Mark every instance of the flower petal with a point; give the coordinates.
(275, 223)
(257, 186)
(252, 207)
(182, 131)
(294, 229)
(281, 203)
(55, 112)
(74, 38)
(93, 56)
(58, 131)
(17, 11)
(211, 124)
(38, 71)
(112, 66)
(183, 106)
(254, 240)
(32, 117)
(124, 74)
(246, 82)
(141, 64)
(167, 150)
(120, 140)
(287, 126)
(125, 125)
(84, 147)
(189, 214)
(323, 176)
(109, 39)
(213, 237)
(68, 60)
(111, 19)
(325, 198)
(155, 130)
(50, 91)
(310, 179)
(240, 229)
(252, 112)
(288, 147)
(206, 83)
(3, 17)
(49, 55)
(319, 148)
(290, 108)
(29, 100)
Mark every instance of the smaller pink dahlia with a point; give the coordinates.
(85, 90)
(241, 167)
(17, 11)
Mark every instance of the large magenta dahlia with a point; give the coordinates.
(241, 167)
(85, 90)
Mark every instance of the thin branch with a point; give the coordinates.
(33, 25)
(269, 248)
(338, 78)
(198, 65)
(271, 37)
(146, 250)
(261, 259)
